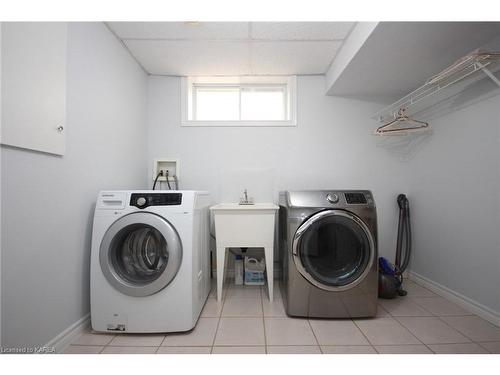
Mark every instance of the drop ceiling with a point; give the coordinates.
(233, 48)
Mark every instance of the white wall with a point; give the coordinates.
(331, 148)
(0, 190)
(454, 192)
(48, 201)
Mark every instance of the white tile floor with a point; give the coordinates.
(246, 322)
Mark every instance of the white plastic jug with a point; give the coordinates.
(254, 271)
(254, 265)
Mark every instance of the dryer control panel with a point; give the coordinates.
(143, 200)
(327, 198)
(355, 198)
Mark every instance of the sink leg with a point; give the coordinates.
(221, 254)
(268, 253)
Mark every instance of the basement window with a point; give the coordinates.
(239, 101)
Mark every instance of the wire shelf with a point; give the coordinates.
(443, 85)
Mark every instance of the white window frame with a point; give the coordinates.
(290, 82)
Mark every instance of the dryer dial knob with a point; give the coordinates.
(332, 198)
(141, 201)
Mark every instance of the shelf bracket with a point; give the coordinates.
(489, 73)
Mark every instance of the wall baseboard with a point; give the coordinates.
(64, 339)
(465, 302)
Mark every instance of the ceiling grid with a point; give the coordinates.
(233, 48)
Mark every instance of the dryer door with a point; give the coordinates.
(140, 254)
(334, 250)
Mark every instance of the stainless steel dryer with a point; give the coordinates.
(328, 250)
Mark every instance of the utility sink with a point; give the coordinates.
(248, 225)
(244, 207)
(242, 225)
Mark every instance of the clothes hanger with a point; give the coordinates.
(402, 117)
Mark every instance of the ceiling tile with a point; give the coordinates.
(300, 30)
(292, 57)
(191, 57)
(181, 30)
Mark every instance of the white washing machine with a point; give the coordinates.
(150, 260)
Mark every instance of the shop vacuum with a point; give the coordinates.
(390, 279)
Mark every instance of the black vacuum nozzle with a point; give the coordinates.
(402, 201)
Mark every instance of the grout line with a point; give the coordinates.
(165, 336)
(455, 329)
(395, 318)
(245, 346)
(314, 334)
(434, 343)
(299, 345)
(484, 347)
(496, 340)
(263, 321)
(220, 313)
(110, 341)
(398, 322)
(411, 316)
(366, 337)
(400, 345)
(440, 317)
(432, 315)
(437, 315)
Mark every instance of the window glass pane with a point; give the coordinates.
(216, 104)
(263, 104)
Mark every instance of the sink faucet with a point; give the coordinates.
(245, 199)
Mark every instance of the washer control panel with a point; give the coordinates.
(141, 200)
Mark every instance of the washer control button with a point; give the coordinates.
(141, 201)
(332, 198)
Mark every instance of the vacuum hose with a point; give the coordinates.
(390, 281)
(403, 252)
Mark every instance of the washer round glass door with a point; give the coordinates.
(140, 254)
(334, 250)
